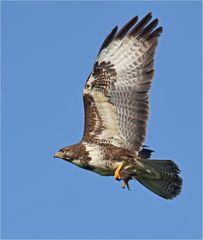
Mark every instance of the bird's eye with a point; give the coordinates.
(61, 150)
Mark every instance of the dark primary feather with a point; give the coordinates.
(149, 28)
(108, 39)
(140, 26)
(126, 28)
(138, 29)
(155, 34)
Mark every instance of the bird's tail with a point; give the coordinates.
(161, 177)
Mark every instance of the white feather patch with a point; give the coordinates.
(108, 116)
(101, 165)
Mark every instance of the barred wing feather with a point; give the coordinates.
(116, 92)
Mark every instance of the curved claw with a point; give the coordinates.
(117, 175)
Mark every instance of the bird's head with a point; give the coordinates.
(66, 153)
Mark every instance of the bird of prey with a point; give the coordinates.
(116, 103)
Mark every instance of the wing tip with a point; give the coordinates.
(155, 34)
(143, 29)
(109, 38)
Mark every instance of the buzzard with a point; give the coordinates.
(116, 103)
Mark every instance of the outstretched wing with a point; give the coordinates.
(116, 92)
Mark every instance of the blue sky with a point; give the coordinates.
(48, 49)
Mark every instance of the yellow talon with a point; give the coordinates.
(117, 172)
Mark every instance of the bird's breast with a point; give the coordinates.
(104, 167)
(98, 161)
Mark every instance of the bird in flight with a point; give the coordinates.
(116, 103)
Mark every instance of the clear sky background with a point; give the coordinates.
(48, 49)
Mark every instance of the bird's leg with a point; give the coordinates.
(117, 175)
(122, 176)
(126, 184)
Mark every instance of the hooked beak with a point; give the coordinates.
(57, 155)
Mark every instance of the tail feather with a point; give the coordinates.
(168, 184)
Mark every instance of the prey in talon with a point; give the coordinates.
(116, 106)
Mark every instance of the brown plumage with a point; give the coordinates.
(116, 102)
